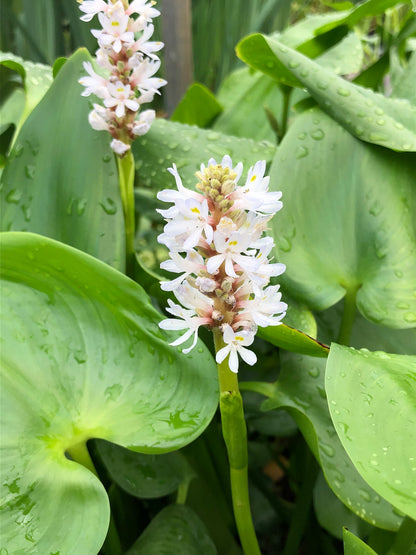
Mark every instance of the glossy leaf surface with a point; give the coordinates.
(176, 529)
(293, 340)
(301, 391)
(61, 177)
(347, 221)
(198, 107)
(82, 357)
(368, 115)
(355, 546)
(372, 401)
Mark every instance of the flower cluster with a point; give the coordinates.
(217, 246)
(129, 62)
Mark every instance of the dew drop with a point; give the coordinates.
(317, 134)
(364, 494)
(304, 73)
(270, 64)
(398, 125)
(402, 305)
(343, 92)
(81, 205)
(30, 171)
(14, 196)
(377, 137)
(327, 449)
(109, 206)
(322, 85)
(380, 121)
(410, 317)
(293, 64)
(107, 158)
(314, 372)
(301, 152)
(301, 136)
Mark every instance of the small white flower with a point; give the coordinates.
(189, 321)
(145, 46)
(92, 7)
(119, 147)
(192, 264)
(114, 29)
(191, 217)
(141, 77)
(121, 97)
(255, 195)
(99, 118)
(94, 84)
(170, 195)
(235, 343)
(142, 125)
(266, 309)
(230, 252)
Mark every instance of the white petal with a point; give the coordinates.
(214, 263)
(222, 353)
(248, 356)
(233, 362)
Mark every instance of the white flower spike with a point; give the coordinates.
(128, 62)
(216, 244)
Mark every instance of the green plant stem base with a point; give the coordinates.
(235, 437)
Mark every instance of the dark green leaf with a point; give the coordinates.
(198, 107)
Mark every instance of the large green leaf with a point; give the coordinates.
(300, 390)
(389, 122)
(61, 177)
(176, 529)
(198, 107)
(82, 357)
(347, 221)
(371, 397)
(187, 146)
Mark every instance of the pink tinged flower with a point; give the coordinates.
(192, 264)
(119, 147)
(236, 343)
(121, 97)
(92, 7)
(230, 252)
(255, 195)
(170, 195)
(143, 8)
(266, 309)
(94, 84)
(114, 29)
(141, 77)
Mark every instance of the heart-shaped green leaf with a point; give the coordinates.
(61, 177)
(372, 401)
(301, 391)
(187, 146)
(143, 475)
(176, 529)
(389, 122)
(82, 357)
(347, 221)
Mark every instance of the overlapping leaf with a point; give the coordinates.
(389, 122)
(82, 357)
(372, 401)
(347, 221)
(61, 177)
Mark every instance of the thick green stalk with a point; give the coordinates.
(126, 180)
(235, 436)
(405, 538)
(348, 316)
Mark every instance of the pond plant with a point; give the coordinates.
(273, 410)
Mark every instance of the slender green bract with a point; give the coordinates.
(126, 179)
(235, 437)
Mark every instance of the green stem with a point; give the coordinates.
(348, 316)
(405, 538)
(287, 92)
(303, 504)
(126, 179)
(235, 437)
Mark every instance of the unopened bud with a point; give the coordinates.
(226, 285)
(227, 187)
(217, 316)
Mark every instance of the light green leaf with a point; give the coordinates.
(300, 390)
(345, 57)
(143, 475)
(187, 146)
(371, 397)
(176, 529)
(198, 107)
(347, 221)
(355, 546)
(368, 115)
(61, 177)
(37, 78)
(82, 357)
(404, 84)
